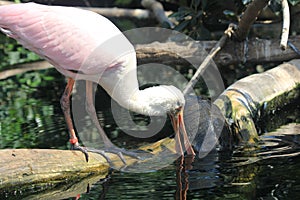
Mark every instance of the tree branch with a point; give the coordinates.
(285, 25)
(22, 68)
(117, 12)
(249, 17)
(158, 10)
(218, 46)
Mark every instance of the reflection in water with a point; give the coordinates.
(30, 117)
(182, 167)
(268, 171)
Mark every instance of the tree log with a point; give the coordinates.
(27, 167)
(255, 51)
(252, 98)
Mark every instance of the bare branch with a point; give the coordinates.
(219, 45)
(22, 68)
(285, 25)
(249, 17)
(158, 10)
(116, 12)
(120, 12)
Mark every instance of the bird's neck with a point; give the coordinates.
(145, 102)
(122, 85)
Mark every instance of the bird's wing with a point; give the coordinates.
(70, 38)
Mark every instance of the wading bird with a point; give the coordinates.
(83, 45)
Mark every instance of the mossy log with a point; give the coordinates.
(252, 98)
(22, 168)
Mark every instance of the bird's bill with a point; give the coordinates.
(182, 141)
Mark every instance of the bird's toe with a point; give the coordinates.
(84, 150)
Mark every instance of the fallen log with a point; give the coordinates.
(252, 98)
(23, 168)
(36, 166)
(254, 51)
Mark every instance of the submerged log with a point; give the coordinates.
(250, 99)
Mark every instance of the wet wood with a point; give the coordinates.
(21, 167)
(37, 166)
(251, 98)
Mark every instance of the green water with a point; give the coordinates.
(30, 117)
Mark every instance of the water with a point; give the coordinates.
(31, 118)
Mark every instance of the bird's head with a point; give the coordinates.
(158, 101)
(170, 100)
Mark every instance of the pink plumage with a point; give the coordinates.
(66, 36)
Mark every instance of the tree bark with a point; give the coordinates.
(255, 51)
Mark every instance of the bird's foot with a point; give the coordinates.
(138, 154)
(77, 147)
(85, 151)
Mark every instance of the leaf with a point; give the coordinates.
(182, 26)
(48, 78)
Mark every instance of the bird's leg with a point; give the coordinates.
(109, 146)
(186, 142)
(178, 143)
(181, 137)
(65, 105)
(90, 108)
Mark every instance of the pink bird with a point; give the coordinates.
(84, 45)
